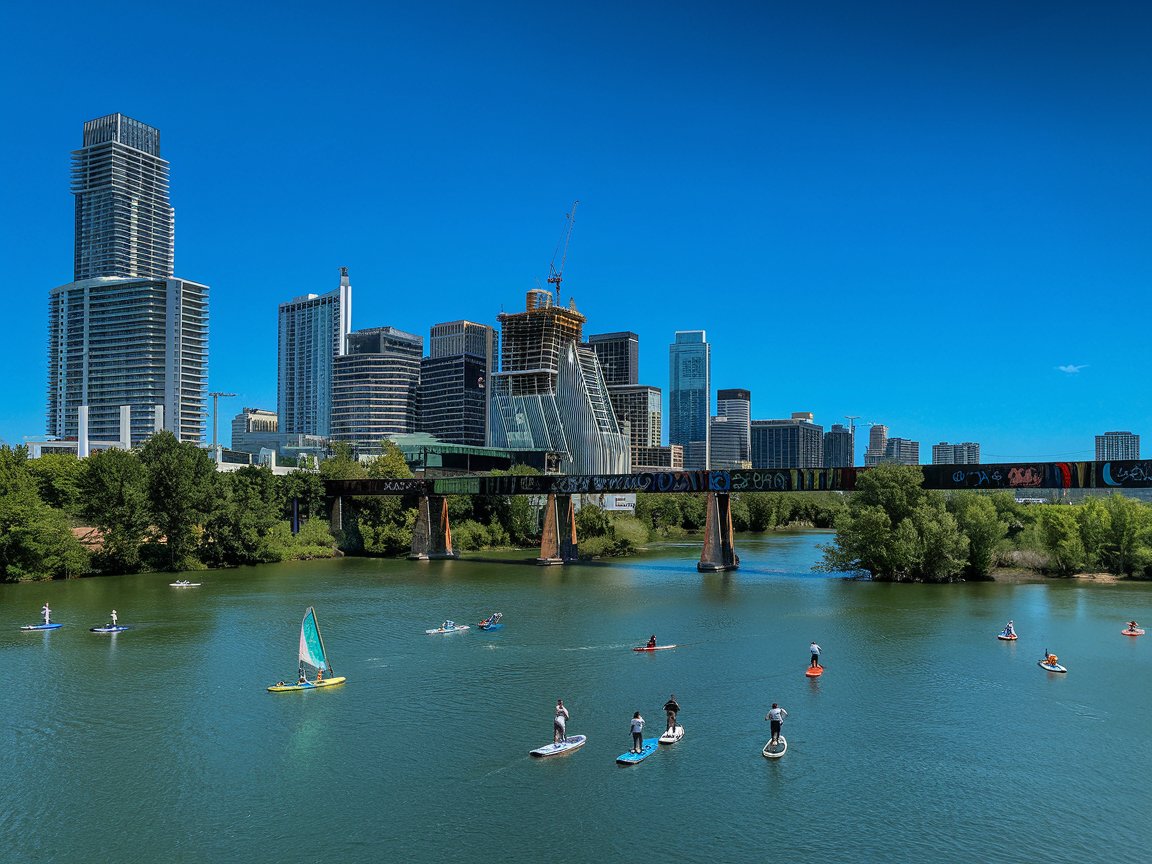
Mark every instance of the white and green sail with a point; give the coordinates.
(311, 644)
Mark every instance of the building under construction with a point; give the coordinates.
(550, 392)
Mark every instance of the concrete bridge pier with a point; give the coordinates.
(558, 541)
(336, 517)
(718, 552)
(432, 535)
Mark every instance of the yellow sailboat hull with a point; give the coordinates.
(311, 685)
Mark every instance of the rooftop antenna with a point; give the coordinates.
(556, 276)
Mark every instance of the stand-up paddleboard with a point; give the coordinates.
(567, 745)
(672, 735)
(454, 629)
(1051, 667)
(656, 648)
(41, 626)
(183, 583)
(309, 685)
(650, 746)
(109, 628)
(1007, 637)
(1139, 631)
(775, 752)
(814, 671)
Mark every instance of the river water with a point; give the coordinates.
(925, 740)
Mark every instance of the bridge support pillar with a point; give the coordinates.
(718, 553)
(558, 543)
(336, 517)
(432, 535)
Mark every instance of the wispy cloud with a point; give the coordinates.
(1072, 369)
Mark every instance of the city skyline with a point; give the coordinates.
(993, 153)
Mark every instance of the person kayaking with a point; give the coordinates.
(1132, 625)
(1009, 629)
(652, 641)
(637, 733)
(815, 650)
(775, 716)
(47, 613)
(559, 723)
(672, 708)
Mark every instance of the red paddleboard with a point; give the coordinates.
(814, 671)
(1139, 631)
(657, 648)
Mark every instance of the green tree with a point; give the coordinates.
(1128, 539)
(896, 489)
(245, 510)
(943, 547)
(978, 519)
(58, 478)
(180, 489)
(1095, 523)
(35, 539)
(1061, 534)
(114, 489)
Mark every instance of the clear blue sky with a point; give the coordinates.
(910, 212)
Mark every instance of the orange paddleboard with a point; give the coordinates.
(814, 671)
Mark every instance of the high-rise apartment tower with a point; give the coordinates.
(689, 395)
(125, 332)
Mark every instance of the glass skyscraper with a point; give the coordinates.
(454, 382)
(313, 331)
(689, 396)
(375, 387)
(125, 333)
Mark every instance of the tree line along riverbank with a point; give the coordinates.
(163, 506)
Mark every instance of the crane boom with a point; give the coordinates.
(556, 276)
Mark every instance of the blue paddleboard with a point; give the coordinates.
(488, 628)
(651, 745)
(41, 626)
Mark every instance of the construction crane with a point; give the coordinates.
(852, 418)
(556, 276)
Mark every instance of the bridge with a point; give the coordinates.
(432, 535)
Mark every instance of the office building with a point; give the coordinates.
(255, 429)
(689, 395)
(1117, 445)
(877, 444)
(669, 458)
(839, 447)
(550, 392)
(619, 356)
(313, 331)
(639, 407)
(125, 331)
(796, 442)
(967, 453)
(901, 451)
(730, 434)
(375, 387)
(454, 382)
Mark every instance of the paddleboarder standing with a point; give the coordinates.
(47, 613)
(113, 617)
(672, 707)
(637, 733)
(776, 716)
(559, 723)
(815, 649)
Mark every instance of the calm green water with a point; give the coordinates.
(926, 740)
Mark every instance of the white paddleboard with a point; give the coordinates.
(673, 735)
(455, 629)
(572, 742)
(777, 751)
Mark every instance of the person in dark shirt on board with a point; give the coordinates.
(672, 708)
(652, 641)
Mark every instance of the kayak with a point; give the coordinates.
(490, 627)
(456, 629)
(655, 648)
(41, 626)
(310, 685)
(1139, 631)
